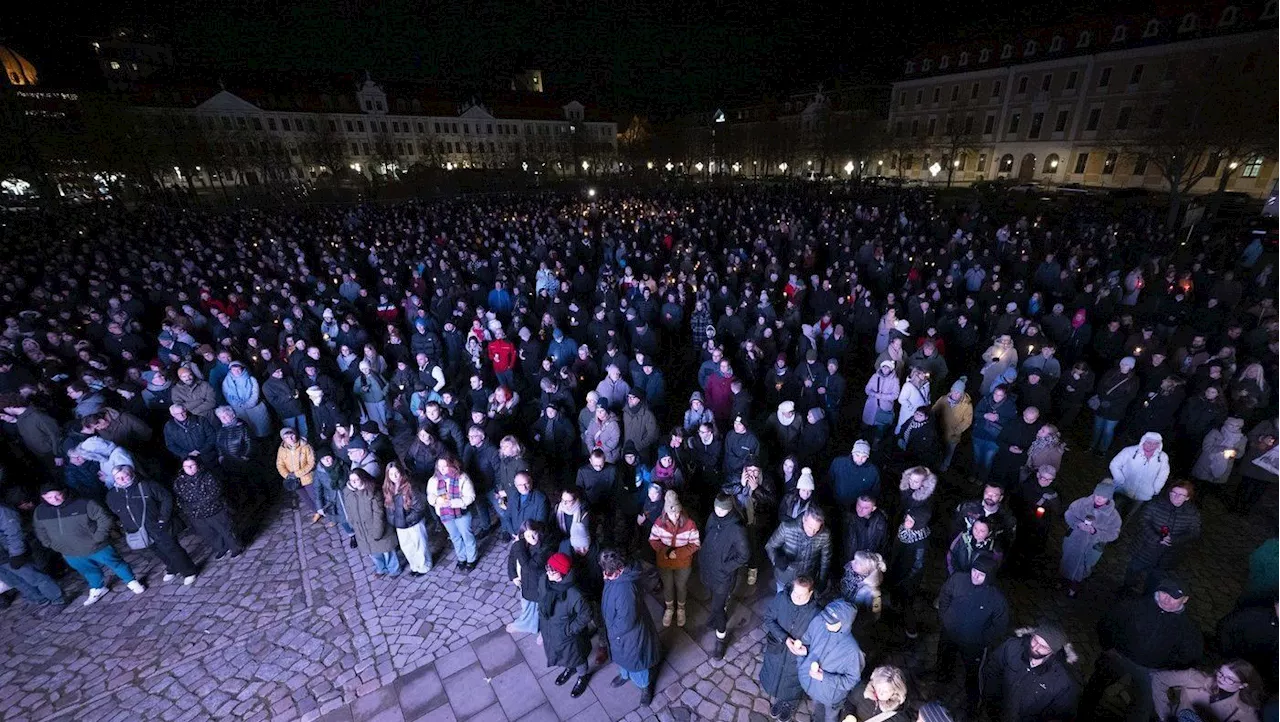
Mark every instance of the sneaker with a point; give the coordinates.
(169, 577)
(722, 645)
(220, 555)
(136, 587)
(579, 687)
(316, 517)
(751, 577)
(95, 595)
(668, 615)
(563, 677)
(680, 615)
(188, 581)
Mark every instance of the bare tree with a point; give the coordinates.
(956, 140)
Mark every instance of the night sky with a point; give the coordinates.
(653, 58)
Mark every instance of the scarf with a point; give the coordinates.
(453, 490)
(911, 536)
(1041, 443)
(553, 593)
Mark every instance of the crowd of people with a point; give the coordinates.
(763, 386)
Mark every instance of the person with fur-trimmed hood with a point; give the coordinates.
(917, 486)
(1032, 676)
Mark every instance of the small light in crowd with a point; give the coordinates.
(591, 192)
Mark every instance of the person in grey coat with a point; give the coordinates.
(16, 567)
(633, 639)
(371, 389)
(785, 621)
(366, 513)
(832, 663)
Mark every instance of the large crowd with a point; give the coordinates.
(765, 386)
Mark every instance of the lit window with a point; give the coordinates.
(1252, 168)
(1109, 163)
(115, 65)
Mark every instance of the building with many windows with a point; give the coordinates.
(1099, 104)
(252, 135)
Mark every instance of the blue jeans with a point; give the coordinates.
(386, 563)
(640, 678)
(464, 542)
(298, 424)
(33, 584)
(1103, 432)
(105, 557)
(984, 452)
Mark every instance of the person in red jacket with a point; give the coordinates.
(502, 354)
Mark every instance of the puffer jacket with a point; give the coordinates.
(836, 653)
(794, 553)
(298, 460)
(1023, 693)
(233, 442)
(1182, 524)
(1139, 476)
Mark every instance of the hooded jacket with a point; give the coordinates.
(1023, 693)
(1137, 475)
(783, 619)
(973, 616)
(633, 640)
(639, 427)
(724, 550)
(837, 653)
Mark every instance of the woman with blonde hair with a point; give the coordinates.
(1233, 693)
(406, 509)
(860, 586)
(882, 699)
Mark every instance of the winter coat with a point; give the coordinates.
(124, 429)
(882, 391)
(1146, 634)
(997, 361)
(370, 388)
(953, 420)
(13, 540)
(739, 449)
(527, 562)
(78, 528)
(1213, 464)
(973, 616)
(564, 621)
(1080, 550)
(1022, 693)
(910, 398)
(1137, 475)
(870, 534)
(1115, 393)
(850, 481)
(555, 437)
(794, 553)
(233, 443)
(298, 460)
(242, 394)
(127, 505)
(724, 550)
(439, 497)
(521, 508)
(633, 641)
(605, 436)
(680, 536)
(783, 620)
(1182, 524)
(599, 486)
(640, 427)
(195, 434)
(964, 551)
(199, 496)
(985, 430)
(837, 653)
(39, 433)
(1195, 690)
(404, 516)
(283, 397)
(198, 397)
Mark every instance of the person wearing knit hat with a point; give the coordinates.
(675, 540)
(563, 623)
(806, 480)
(1114, 393)
(974, 615)
(1094, 522)
(725, 551)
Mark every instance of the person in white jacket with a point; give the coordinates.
(1140, 471)
(914, 394)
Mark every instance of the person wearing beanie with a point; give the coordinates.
(296, 464)
(882, 391)
(1092, 523)
(954, 415)
(1031, 677)
(526, 561)
(639, 424)
(281, 393)
(784, 428)
(832, 664)
(725, 551)
(854, 476)
(1140, 472)
(675, 540)
(564, 621)
(974, 615)
(800, 499)
(1112, 396)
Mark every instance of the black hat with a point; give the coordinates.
(370, 427)
(49, 486)
(630, 448)
(985, 563)
(1172, 587)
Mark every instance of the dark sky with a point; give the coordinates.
(632, 56)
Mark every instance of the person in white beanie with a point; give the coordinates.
(800, 499)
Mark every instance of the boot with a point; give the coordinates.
(751, 577)
(722, 645)
(666, 615)
(680, 614)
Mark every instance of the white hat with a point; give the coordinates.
(806, 479)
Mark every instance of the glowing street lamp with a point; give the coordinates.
(848, 168)
(956, 163)
(935, 169)
(591, 192)
(698, 166)
(649, 165)
(585, 165)
(1053, 163)
(782, 167)
(1233, 165)
(670, 167)
(736, 166)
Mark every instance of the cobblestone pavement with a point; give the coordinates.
(298, 628)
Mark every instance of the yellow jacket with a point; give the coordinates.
(299, 460)
(953, 421)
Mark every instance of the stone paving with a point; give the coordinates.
(298, 628)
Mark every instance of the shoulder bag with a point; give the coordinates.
(138, 539)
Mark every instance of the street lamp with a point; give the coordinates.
(1233, 165)
(1053, 163)
(591, 192)
(956, 163)
(669, 167)
(782, 167)
(736, 166)
(848, 168)
(649, 165)
(585, 165)
(880, 162)
(698, 166)
(524, 166)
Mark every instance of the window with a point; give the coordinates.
(924, 164)
(1152, 29)
(1122, 120)
(1109, 164)
(984, 55)
(937, 94)
(1119, 34)
(973, 92)
(955, 93)
(1135, 77)
(933, 125)
(240, 123)
(919, 97)
(257, 123)
(360, 125)
(1051, 163)
(488, 128)
(897, 129)
(1084, 40)
(1071, 80)
(1104, 78)
(421, 127)
(961, 162)
(1046, 81)
(926, 65)
(1037, 120)
(1228, 16)
(951, 126)
(1140, 165)
(1006, 163)
(311, 124)
(453, 128)
(271, 123)
(333, 126)
(902, 99)
(995, 89)
(1013, 122)
(908, 161)
(1269, 12)
(1082, 162)
(1157, 117)
(915, 128)
(1252, 168)
(383, 124)
(466, 129)
(1060, 124)
(990, 126)
(1030, 48)
(1006, 52)
(1022, 85)
(982, 162)
(911, 67)
(964, 59)
(968, 125)
(368, 104)
(1056, 44)
(942, 64)
(1189, 23)
(1095, 116)
(437, 125)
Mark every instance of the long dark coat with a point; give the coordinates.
(564, 624)
(368, 519)
(782, 619)
(633, 640)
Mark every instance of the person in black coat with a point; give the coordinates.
(555, 437)
(564, 620)
(527, 504)
(525, 561)
(724, 552)
(1141, 636)
(187, 434)
(1031, 677)
(145, 504)
(974, 615)
(633, 639)
(865, 529)
(906, 564)
(785, 621)
(1014, 441)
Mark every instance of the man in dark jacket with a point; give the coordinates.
(866, 529)
(633, 640)
(801, 547)
(16, 567)
(78, 530)
(1031, 677)
(527, 504)
(785, 621)
(283, 397)
(1139, 637)
(854, 476)
(1114, 393)
(189, 435)
(975, 614)
(724, 552)
(597, 480)
(480, 461)
(142, 504)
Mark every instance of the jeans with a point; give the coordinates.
(376, 411)
(217, 533)
(307, 498)
(1111, 668)
(719, 619)
(1104, 430)
(675, 584)
(640, 678)
(33, 584)
(104, 557)
(298, 424)
(984, 452)
(330, 502)
(387, 563)
(464, 542)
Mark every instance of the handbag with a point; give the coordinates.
(139, 539)
(292, 483)
(883, 417)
